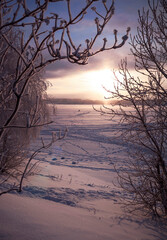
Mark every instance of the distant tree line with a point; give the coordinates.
(72, 101)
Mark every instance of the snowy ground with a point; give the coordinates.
(73, 195)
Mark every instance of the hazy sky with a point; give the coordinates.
(73, 81)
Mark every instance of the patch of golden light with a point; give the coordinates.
(91, 84)
(101, 80)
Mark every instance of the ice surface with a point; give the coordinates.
(73, 195)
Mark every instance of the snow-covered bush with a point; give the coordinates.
(146, 116)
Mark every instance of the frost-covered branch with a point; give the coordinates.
(142, 108)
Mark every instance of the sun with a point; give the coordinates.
(89, 85)
(100, 80)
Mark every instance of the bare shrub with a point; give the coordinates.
(32, 111)
(145, 118)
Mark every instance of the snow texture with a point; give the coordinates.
(74, 193)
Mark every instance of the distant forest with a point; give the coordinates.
(52, 100)
(72, 101)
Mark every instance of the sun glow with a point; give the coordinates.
(101, 80)
(89, 85)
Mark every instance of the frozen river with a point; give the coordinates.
(74, 193)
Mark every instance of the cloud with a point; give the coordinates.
(126, 15)
(63, 68)
(107, 59)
